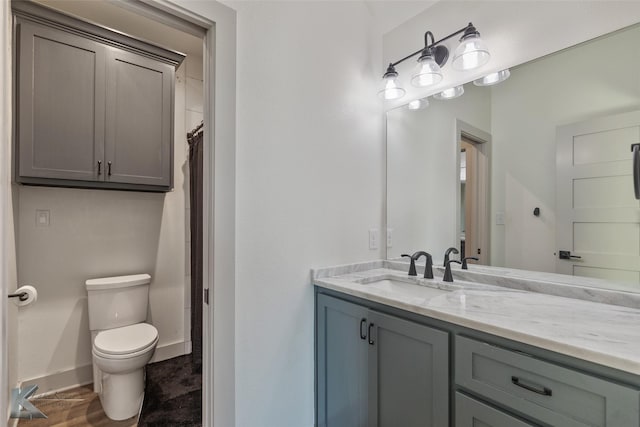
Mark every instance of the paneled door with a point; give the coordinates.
(598, 217)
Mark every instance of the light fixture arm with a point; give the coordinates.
(469, 29)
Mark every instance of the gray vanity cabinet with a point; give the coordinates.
(472, 413)
(61, 83)
(377, 370)
(94, 107)
(342, 363)
(408, 373)
(139, 113)
(553, 394)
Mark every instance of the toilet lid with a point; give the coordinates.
(127, 339)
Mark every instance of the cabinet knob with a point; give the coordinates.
(99, 167)
(109, 168)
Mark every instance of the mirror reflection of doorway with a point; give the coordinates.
(473, 199)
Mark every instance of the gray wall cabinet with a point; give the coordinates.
(94, 108)
(379, 366)
(378, 370)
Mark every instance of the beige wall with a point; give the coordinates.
(96, 233)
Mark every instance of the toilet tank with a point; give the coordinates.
(117, 301)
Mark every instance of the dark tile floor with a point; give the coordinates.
(173, 395)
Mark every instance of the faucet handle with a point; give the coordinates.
(464, 261)
(412, 266)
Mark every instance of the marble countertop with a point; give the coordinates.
(605, 334)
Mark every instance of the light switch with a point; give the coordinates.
(42, 218)
(374, 238)
(500, 218)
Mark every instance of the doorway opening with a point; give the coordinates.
(473, 226)
(151, 232)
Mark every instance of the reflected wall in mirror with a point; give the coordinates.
(556, 136)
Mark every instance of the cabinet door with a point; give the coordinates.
(408, 374)
(471, 413)
(60, 126)
(139, 120)
(341, 363)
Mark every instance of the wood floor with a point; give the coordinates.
(77, 407)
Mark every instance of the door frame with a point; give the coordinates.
(219, 58)
(483, 139)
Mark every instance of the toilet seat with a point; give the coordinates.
(125, 341)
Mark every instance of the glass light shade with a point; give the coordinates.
(450, 93)
(418, 104)
(471, 53)
(427, 72)
(493, 78)
(390, 88)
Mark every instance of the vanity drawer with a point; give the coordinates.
(471, 413)
(547, 392)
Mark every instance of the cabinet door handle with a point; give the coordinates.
(363, 334)
(109, 168)
(99, 167)
(371, 341)
(543, 391)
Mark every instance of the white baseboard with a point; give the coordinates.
(83, 375)
(168, 351)
(63, 380)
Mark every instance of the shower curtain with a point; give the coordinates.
(195, 196)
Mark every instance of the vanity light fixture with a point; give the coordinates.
(451, 93)
(390, 87)
(493, 78)
(471, 53)
(418, 104)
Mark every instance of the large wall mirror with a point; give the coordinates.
(517, 172)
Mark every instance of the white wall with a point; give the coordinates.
(526, 110)
(421, 182)
(99, 233)
(310, 162)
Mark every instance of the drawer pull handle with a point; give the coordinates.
(363, 334)
(371, 341)
(544, 391)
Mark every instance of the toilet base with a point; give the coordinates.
(122, 394)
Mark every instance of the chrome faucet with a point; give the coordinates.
(448, 277)
(446, 255)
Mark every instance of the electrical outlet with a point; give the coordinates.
(500, 218)
(42, 218)
(374, 238)
(389, 237)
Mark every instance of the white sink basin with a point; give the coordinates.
(402, 286)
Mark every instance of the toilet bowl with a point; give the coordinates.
(120, 355)
(122, 343)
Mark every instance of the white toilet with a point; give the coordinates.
(122, 343)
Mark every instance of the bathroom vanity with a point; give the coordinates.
(393, 350)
